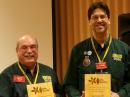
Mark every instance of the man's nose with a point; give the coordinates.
(29, 49)
(99, 19)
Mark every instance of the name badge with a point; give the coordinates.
(101, 65)
(18, 78)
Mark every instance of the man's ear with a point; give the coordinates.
(89, 23)
(109, 21)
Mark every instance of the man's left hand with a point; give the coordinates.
(113, 94)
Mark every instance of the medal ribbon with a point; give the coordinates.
(106, 52)
(27, 76)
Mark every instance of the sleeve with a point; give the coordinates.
(5, 86)
(125, 90)
(70, 83)
(56, 85)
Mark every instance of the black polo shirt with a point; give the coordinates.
(83, 59)
(10, 86)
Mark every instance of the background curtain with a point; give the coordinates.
(71, 26)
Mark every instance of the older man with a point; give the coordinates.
(15, 78)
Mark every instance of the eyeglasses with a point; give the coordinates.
(96, 17)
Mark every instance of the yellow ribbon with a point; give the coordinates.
(27, 76)
(106, 52)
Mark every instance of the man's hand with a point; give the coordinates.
(113, 94)
(54, 95)
(83, 94)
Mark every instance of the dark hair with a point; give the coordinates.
(100, 5)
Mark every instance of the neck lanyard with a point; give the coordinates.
(27, 76)
(106, 52)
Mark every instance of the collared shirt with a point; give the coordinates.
(118, 65)
(14, 84)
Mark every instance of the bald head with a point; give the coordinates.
(26, 38)
(27, 50)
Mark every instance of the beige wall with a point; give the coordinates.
(18, 17)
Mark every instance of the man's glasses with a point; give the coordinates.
(96, 17)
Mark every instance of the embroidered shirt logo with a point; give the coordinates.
(117, 57)
(47, 78)
(18, 78)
